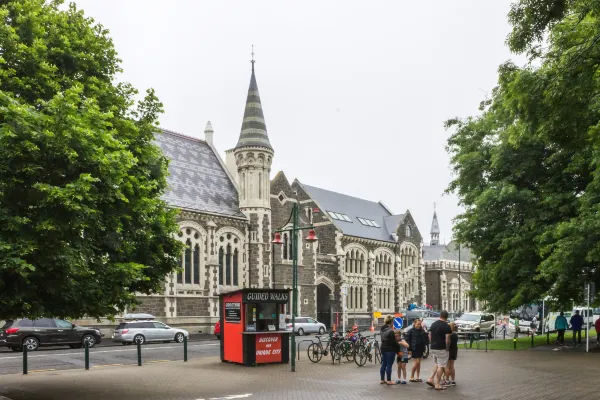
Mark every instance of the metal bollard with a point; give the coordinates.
(139, 353)
(515, 343)
(532, 338)
(486, 340)
(24, 360)
(87, 355)
(185, 349)
(548, 337)
(504, 333)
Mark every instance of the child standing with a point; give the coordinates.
(402, 358)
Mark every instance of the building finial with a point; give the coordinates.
(252, 58)
(434, 206)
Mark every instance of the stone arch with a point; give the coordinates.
(232, 230)
(194, 225)
(322, 279)
(355, 246)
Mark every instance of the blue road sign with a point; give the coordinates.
(398, 323)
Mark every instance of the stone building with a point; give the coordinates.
(448, 273)
(229, 210)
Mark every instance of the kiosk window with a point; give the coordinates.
(259, 316)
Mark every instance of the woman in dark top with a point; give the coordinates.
(417, 340)
(453, 354)
(389, 349)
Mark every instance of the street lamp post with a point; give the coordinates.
(294, 237)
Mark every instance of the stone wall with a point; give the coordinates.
(154, 305)
(192, 306)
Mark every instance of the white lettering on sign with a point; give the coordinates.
(268, 339)
(267, 296)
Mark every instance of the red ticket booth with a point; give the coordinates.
(253, 329)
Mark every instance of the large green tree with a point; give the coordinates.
(527, 168)
(82, 226)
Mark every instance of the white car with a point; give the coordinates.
(307, 325)
(476, 322)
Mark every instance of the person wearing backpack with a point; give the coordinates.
(561, 325)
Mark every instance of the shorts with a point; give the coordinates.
(403, 360)
(440, 357)
(417, 354)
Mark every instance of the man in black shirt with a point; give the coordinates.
(439, 338)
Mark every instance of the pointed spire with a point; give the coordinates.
(254, 129)
(208, 133)
(435, 229)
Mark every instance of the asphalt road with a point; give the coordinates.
(106, 355)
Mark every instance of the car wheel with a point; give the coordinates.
(139, 339)
(90, 339)
(300, 331)
(31, 343)
(179, 337)
(321, 330)
(492, 333)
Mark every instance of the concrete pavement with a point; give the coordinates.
(522, 375)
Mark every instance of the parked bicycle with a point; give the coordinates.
(317, 350)
(369, 350)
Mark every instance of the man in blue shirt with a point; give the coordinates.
(576, 325)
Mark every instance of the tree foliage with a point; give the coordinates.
(527, 168)
(82, 226)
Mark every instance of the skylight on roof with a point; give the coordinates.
(368, 222)
(339, 216)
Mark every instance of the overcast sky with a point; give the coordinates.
(354, 93)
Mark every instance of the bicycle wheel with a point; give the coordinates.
(336, 352)
(360, 357)
(314, 352)
(377, 354)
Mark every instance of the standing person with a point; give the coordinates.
(402, 359)
(561, 325)
(439, 337)
(597, 326)
(576, 325)
(389, 349)
(417, 341)
(534, 323)
(453, 354)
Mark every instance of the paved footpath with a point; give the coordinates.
(505, 375)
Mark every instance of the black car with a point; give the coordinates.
(46, 332)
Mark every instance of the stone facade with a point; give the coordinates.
(448, 273)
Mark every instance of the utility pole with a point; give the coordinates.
(459, 283)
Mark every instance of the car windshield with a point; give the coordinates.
(470, 317)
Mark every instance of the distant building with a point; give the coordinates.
(448, 272)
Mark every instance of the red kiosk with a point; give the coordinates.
(253, 329)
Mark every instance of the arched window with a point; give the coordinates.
(361, 297)
(379, 298)
(408, 231)
(221, 257)
(235, 268)
(291, 247)
(228, 265)
(260, 185)
(362, 264)
(347, 262)
(188, 262)
(180, 273)
(197, 264)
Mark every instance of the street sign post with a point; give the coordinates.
(398, 323)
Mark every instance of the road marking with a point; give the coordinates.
(108, 365)
(232, 397)
(103, 351)
(158, 361)
(42, 370)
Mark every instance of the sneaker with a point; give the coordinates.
(403, 382)
(398, 381)
(453, 383)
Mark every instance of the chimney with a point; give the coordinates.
(208, 133)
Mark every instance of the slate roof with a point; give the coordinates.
(197, 180)
(354, 208)
(446, 252)
(254, 128)
(435, 225)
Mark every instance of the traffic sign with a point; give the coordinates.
(377, 314)
(398, 323)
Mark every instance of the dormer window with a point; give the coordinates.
(408, 231)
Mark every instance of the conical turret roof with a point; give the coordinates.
(254, 129)
(435, 225)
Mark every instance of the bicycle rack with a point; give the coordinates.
(298, 346)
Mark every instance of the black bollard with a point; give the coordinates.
(87, 355)
(24, 360)
(185, 349)
(139, 353)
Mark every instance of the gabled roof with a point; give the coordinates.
(356, 208)
(254, 128)
(197, 180)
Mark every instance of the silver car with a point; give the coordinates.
(307, 325)
(147, 331)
